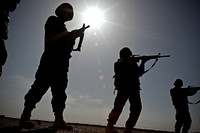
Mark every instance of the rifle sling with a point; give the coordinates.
(151, 66)
(195, 102)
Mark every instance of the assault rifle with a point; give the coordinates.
(81, 38)
(193, 88)
(149, 57)
(137, 58)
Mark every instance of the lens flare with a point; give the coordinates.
(93, 17)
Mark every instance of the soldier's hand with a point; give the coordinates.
(76, 33)
(144, 59)
(79, 32)
(84, 28)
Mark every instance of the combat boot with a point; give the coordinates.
(59, 123)
(110, 128)
(24, 121)
(128, 131)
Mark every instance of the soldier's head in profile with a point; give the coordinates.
(65, 12)
(125, 53)
(178, 83)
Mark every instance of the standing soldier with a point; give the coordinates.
(179, 97)
(6, 7)
(53, 68)
(127, 84)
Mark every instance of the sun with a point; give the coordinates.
(93, 17)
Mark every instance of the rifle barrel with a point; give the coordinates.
(138, 57)
(191, 87)
(163, 56)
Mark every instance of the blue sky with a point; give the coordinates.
(146, 27)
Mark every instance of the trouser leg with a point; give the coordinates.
(135, 109)
(179, 121)
(58, 88)
(119, 103)
(59, 95)
(34, 95)
(31, 98)
(3, 54)
(26, 115)
(187, 122)
(113, 117)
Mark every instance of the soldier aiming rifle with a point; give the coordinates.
(127, 83)
(180, 101)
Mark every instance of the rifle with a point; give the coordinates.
(81, 38)
(149, 57)
(137, 58)
(194, 89)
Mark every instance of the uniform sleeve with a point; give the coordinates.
(191, 91)
(53, 27)
(117, 67)
(118, 74)
(141, 69)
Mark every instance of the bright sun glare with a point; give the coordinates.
(93, 17)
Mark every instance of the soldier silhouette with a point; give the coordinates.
(53, 67)
(6, 7)
(179, 97)
(127, 84)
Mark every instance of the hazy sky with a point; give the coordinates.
(147, 27)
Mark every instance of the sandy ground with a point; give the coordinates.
(10, 125)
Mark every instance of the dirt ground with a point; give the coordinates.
(10, 125)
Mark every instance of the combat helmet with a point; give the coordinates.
(125, 53)
(178, 83)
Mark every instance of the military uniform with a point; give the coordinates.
(53, 68)
(127, 84)
(180, 101)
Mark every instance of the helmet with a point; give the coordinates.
(125, 52)
(178, 83)
(61, 11)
